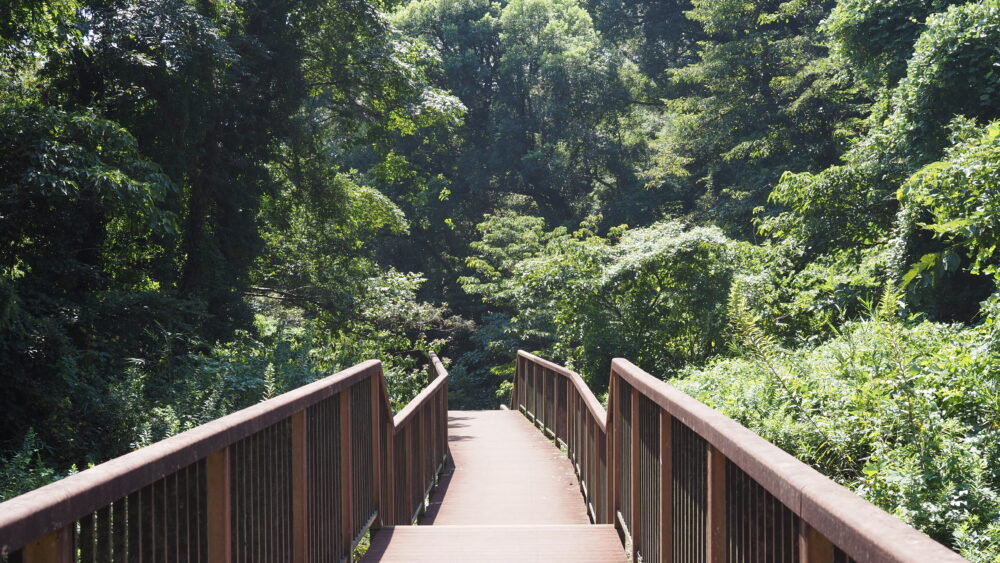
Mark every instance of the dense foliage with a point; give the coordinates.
(181, 236)
(787, 207)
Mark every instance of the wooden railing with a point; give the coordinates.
(300, 477)
(686, 484)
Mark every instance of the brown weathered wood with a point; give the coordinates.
(813, 546)
(666, 487)
(636, 489)
(377, 417)
(543, 410)
(29, 516)
(389, 494)
(219, 507)
(54, 547)
(614, 461)
(505, 472)
(581, 543)
(300, 488)
(597, 411)
(346, 471)
(716, 532)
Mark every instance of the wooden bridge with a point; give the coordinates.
(314, 473)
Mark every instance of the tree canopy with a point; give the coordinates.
(788, 208)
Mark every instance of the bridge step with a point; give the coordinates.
(488, 544)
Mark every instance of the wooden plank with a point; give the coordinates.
(666, 487)
(300, 488)
(219, 507)
(715, 536)
(505, 472)
(582, 543)
(54, 547)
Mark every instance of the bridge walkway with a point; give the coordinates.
(509, 495)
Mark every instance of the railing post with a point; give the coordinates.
(543, 411)
(614, 457)
(54, 547)
(633, 518)
(219, 507)
(389, 494)
(569, 416)
(515, 398)
(408, 449)
(444, 422)
(666, 487)
(300, 491)
(716, 521)
(346, 471)
(813, 546)
(376, 402)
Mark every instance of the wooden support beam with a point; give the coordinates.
(408, 465)
(219, 507)
(377, 418)
(614, 461)
(813, 546)
(634, 447)
(300, 488)
(389, 517)
(716, 524)
(666, 487)
(543, 410)
(567, 432)
(515, 396)
(54, 547)
(346, 471)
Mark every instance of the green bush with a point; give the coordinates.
(656, 294)
(905, 414)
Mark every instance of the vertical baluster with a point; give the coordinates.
(118, 530)
(85, 539)
(134, 516)
(102, 535)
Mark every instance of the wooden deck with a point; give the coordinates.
(511, 495)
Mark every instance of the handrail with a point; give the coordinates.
(729, 493)
(406, 414)
(296, 477)
(575, 419)
(421, 444)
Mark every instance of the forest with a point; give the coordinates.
(788, 209)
